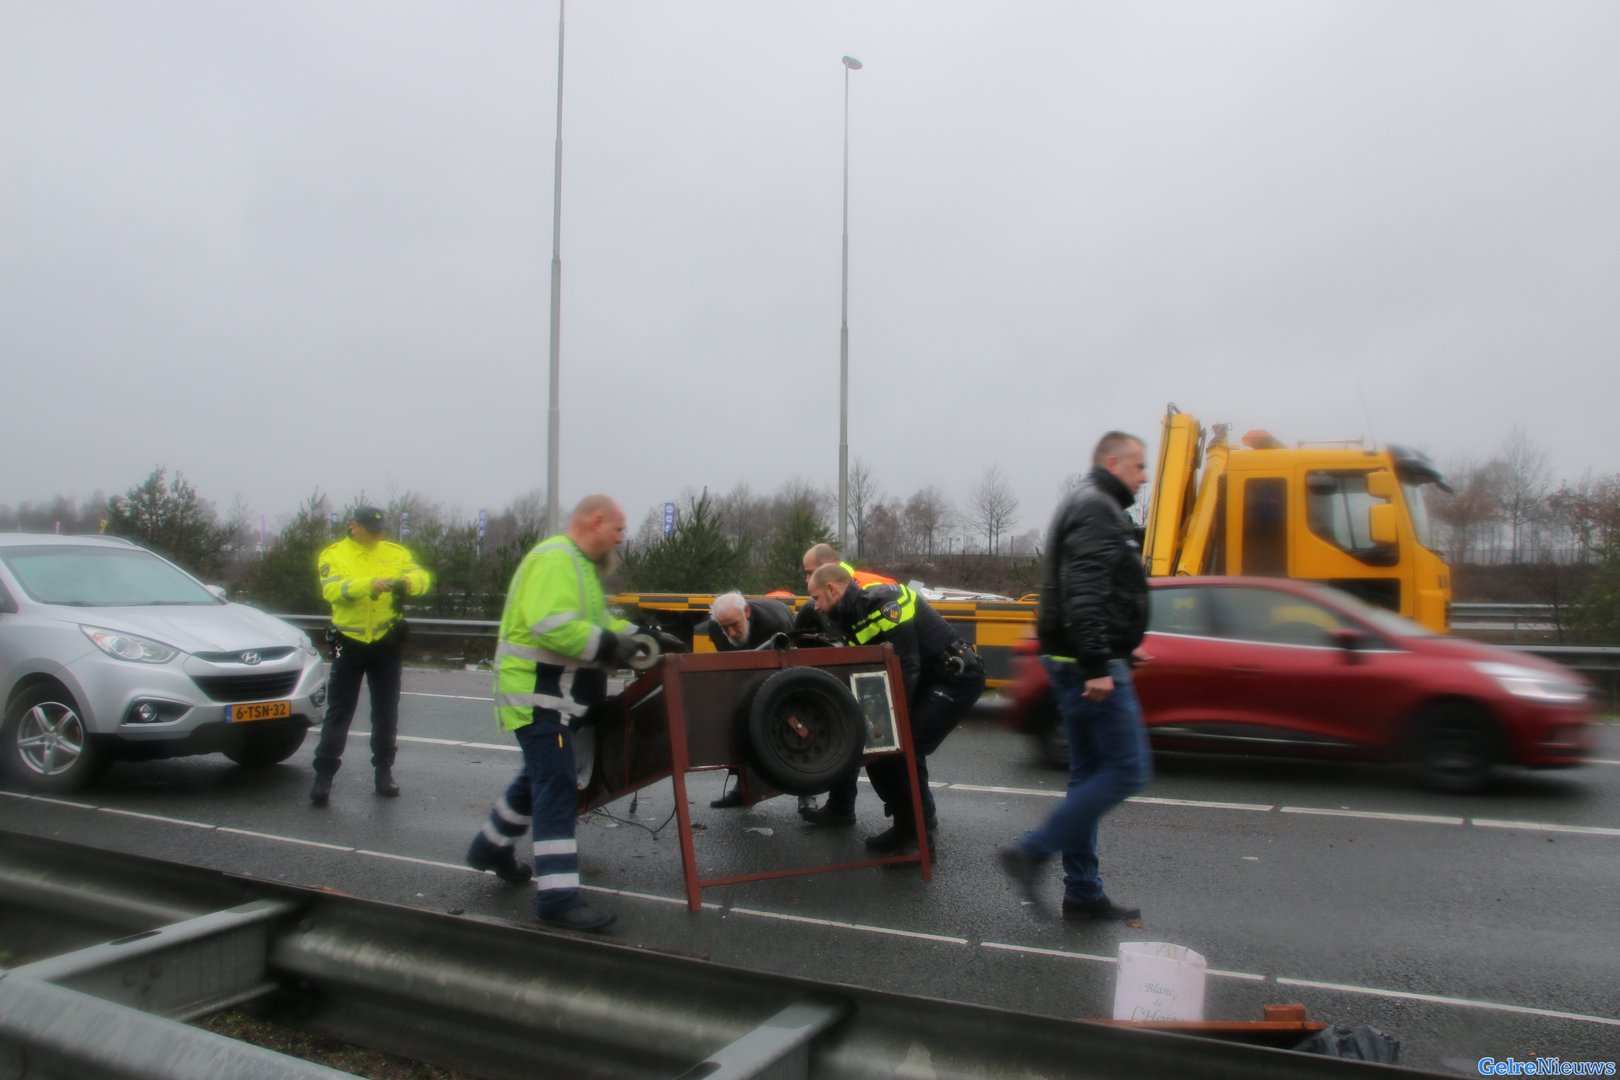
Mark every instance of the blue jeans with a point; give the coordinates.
(1108, 761)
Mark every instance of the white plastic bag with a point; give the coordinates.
(1159, 981)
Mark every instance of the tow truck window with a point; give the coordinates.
(1265, 527)
(1337, 509)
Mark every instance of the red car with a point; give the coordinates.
(1271, 666)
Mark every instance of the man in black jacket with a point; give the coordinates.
(1093, 612)
(737, 623)
(942, 673)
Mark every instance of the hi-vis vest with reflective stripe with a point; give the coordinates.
(866, 578)
(887, 615)
(553, 624)
(346, 569)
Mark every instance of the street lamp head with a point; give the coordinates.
(852, 63)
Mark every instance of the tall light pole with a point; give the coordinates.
(850, 64)
(554, 414)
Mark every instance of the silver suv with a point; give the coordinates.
(110, 652)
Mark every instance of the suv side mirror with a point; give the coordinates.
(217, 590)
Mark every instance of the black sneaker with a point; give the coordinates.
(585, 919)
(322, 790)
(1023, 869)
(828, 818)
(1085, 910)
(385, 784)
(483, 855)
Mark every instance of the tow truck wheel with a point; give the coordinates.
(805, 730)
(1455, 748)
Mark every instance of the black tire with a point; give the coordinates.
(804, 731)
(262, 749)
(1046, 728)
(45, 744)
(1455, 748)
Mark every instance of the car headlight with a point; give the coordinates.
(1531, 683)
(128, 646)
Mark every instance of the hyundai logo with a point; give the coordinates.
(249, 658)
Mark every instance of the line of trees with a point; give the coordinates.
(1507, 530)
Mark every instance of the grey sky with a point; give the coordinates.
(304, 243)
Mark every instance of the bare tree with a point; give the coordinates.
(885, 531)
(1526, 478)
(863, 495)
(993, 508)
(1467, 515)
(926, 517)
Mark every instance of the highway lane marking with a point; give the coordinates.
(837, 925)
(447, 697)
(1587, 830)
(1374, 815)
(910, 934)
(283, 839)
(1464, 1003)
(1201, 804)
(154, 817)
(1063, 954)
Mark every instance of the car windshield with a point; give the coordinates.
(1382, 619)
(101, 577)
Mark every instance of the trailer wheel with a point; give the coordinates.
(804, 730)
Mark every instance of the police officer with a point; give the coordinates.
(557, 643)
(943, 678)
(839, 812)
(364, 577)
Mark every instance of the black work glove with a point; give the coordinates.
(620, 648)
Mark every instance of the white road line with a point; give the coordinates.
(1372, 815)
(677, 900)
(63, 802)
(988, 790)
(1601, 761)
(1201, 804)
(1464, 1003)
(447, 697)
(1542, 826)
(285, 839)
(154, 817)
(1063, 955)
(412, 859)
(1059, 953)
(849, 926)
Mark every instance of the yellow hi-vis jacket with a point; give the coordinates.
(346, 569)
(553, 625)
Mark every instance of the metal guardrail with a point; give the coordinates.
(485, 997)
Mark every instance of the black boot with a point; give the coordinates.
(385, 783)
(322, 790)
(902, 834)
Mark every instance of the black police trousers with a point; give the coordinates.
(378, 663)
(937, 706)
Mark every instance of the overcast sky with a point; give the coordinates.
(282, 245)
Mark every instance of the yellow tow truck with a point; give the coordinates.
(1343, 515)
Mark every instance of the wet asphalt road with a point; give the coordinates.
(1466, 926)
